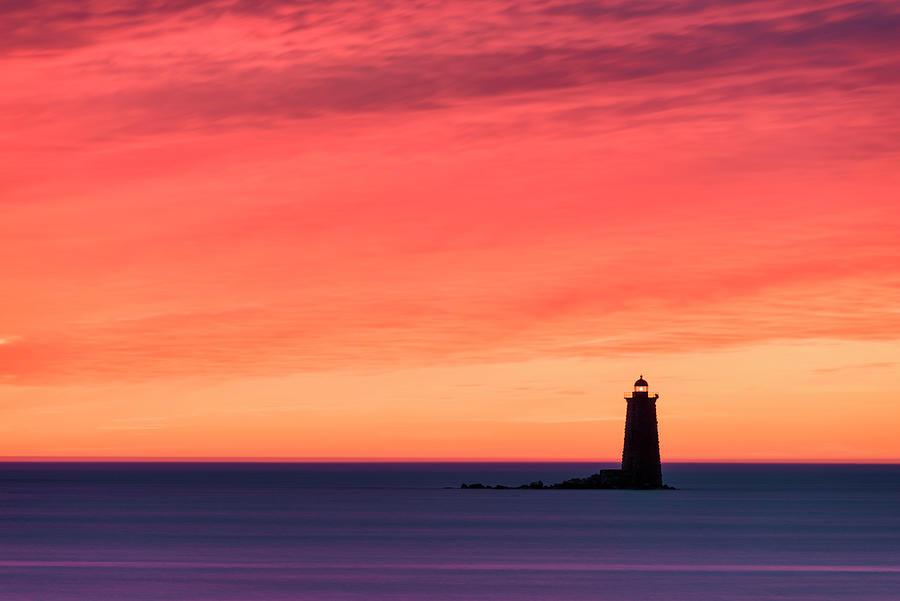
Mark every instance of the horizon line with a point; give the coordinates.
(374, 460)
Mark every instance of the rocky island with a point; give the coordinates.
(604, 479)
(641, 466)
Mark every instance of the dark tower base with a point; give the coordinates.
(640, 455)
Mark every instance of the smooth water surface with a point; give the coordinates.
(392, 531)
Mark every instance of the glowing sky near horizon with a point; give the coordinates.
(449, 230)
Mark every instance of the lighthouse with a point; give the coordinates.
(640, 455)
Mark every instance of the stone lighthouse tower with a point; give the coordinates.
(640, 455)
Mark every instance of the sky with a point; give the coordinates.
(449, 230)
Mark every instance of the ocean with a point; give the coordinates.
(341, 531)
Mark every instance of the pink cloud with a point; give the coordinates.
(253, 188)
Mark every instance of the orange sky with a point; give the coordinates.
(281, 229)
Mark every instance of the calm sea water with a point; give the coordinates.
(391, 531)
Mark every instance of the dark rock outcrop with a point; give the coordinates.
(604, 479)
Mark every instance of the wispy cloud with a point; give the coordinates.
(225, 187)
(876, 365)
(357, 58)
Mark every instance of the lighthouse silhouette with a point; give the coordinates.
(640, 455)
